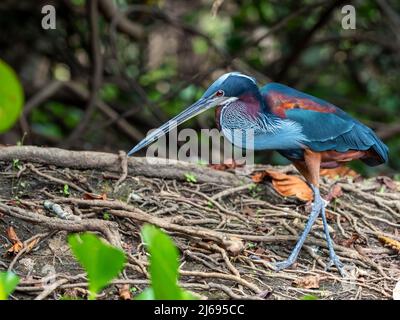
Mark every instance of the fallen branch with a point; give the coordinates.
(149, 167)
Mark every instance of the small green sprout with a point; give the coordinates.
(106, 216)
(201, 162)
(65, 191)
(251, 245)
(190, 177)
(17, 164)
(252, 187)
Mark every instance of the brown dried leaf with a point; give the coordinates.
(391, 243)
(32, 244)
(286, 185)
(259, 176)
(339, 172)
(234, 245)
(228, 164)
(335, 192)
(248, 211)
(259, 251)
(13, 237)
(308, 282)
(386, 181)
(15, 248)
(349, 242)
(125, 293)
(93, 196)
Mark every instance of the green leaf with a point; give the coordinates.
(11, 97)
(147, 294)
(163, 263)
(101, 261)
(309, 297)
(8, 283)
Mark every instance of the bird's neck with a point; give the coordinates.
(254, 105)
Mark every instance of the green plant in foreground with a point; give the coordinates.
(11, 97)
(164, 264)
(101, 261)
(8, 283)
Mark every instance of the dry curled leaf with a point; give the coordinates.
(335, 192)
(259, 251)
(17, 245)
(259, 176)
(308, 282)
(234, 245)
(286, 185)
(93, 196)
(338, 172)
(387, 182)
(349, 242)
(391, 243)
(248, 211)
(32, 244)
(228, 164)
(125, 293)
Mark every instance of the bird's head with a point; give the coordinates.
(226, 89)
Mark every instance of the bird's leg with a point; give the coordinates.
(316, 208)
(310, 170)
(334, 259)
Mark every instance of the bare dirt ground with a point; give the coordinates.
(227, 229)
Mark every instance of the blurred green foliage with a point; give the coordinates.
(183, 47)
(8, 283)
(11, 97)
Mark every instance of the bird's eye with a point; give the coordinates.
(219, 93)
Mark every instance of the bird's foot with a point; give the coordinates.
(283, 264)
(315, 211)
(335, 261)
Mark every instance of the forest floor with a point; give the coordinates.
(228, 230)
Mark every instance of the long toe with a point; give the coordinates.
(336, 262)
(282, 265)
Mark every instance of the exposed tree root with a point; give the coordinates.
(228, 232)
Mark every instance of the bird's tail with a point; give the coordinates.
(380, 151)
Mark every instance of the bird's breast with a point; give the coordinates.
(247, 127)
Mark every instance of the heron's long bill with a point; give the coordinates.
(200, 106)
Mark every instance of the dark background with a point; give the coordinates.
(100, 83)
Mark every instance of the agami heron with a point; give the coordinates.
(309, 131)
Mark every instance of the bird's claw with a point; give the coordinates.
(282, 265)
(334, 261)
